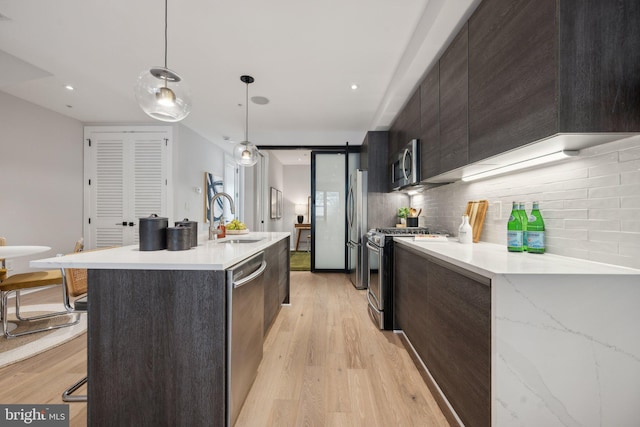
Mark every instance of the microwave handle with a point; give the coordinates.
(404, 157)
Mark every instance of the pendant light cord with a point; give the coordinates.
(246, 125)
(165, 33)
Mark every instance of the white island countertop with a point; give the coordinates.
(208, 255)
(489, 260)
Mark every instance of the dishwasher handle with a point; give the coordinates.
(258, 272)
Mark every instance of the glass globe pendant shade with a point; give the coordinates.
(163, 95)
(245, 153)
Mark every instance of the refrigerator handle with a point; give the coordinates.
(350, 206)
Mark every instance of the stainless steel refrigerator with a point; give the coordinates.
(357, 228)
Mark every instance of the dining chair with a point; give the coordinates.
(15, 283)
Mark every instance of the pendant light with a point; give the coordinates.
(245, 153)
(160, 92)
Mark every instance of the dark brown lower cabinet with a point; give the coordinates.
(445, 312)
(157, 348)
(276, 280)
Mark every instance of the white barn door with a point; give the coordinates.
(126, 178)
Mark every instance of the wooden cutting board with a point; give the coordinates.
(477, 211)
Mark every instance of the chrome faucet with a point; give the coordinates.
(213, 232)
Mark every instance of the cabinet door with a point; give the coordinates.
(459, 348)
(406, 125)
(454, 100)
(126, 178)
(410, 298)
(430, 124)
(376, 161)
(271, 285)
(512, 75)
(283, 272)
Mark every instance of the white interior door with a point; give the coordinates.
(126, 178)
(329, 213)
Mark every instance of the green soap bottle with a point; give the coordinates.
(525, 220)
(535, 231)
(514, 230)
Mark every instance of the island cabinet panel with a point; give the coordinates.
(445, 313)
(459, 348)
(454, 100)
(276, 280)
(512, 75)
(156, 348)
(430, 124)
(406, 126)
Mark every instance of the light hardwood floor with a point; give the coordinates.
(325, 364)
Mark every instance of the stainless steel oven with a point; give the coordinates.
(374, 293)
(380, 272)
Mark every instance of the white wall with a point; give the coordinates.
(297, 189)
(41, 175)
(590, 204)
(275, 180)
(193, 155)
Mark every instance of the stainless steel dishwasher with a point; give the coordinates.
(245, 319)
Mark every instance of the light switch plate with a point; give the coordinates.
(496, 210)
(8, 263)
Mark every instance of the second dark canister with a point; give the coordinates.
(153, 233)
(178, 238)
(193, 230)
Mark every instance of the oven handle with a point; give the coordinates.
(373, 248)
(374, 306)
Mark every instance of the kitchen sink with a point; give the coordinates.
(239, 241)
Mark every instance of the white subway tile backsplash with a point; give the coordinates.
(614, 191)
(566, 213)
(630, 202)
(591, 204)
(629, 154)
(632, 177)
(564, 195)
(630, 226)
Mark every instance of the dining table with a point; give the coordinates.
(15, 251)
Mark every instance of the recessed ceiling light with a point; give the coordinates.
(354, 86)
(69, 87)
(260, 100)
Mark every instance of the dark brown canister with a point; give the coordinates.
(193, 230)
(178, 238)
(153, 233)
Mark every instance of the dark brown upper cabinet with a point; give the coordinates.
(454, 90)
(374, 156)
(430, 124)
(538, 68)
(406, 125)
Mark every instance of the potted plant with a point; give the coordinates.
(403, 213)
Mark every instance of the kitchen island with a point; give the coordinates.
(534, 339)
(159, 328)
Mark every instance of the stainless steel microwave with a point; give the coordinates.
(405, 166)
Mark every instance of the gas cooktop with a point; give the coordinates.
(403, 231)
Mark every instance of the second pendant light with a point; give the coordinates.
(245, 153)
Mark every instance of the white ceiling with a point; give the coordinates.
(304, 56)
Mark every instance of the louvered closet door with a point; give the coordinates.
(126, 178)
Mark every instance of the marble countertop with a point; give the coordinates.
(489, 260)
(208, 255)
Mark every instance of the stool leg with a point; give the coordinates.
(67, 394)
